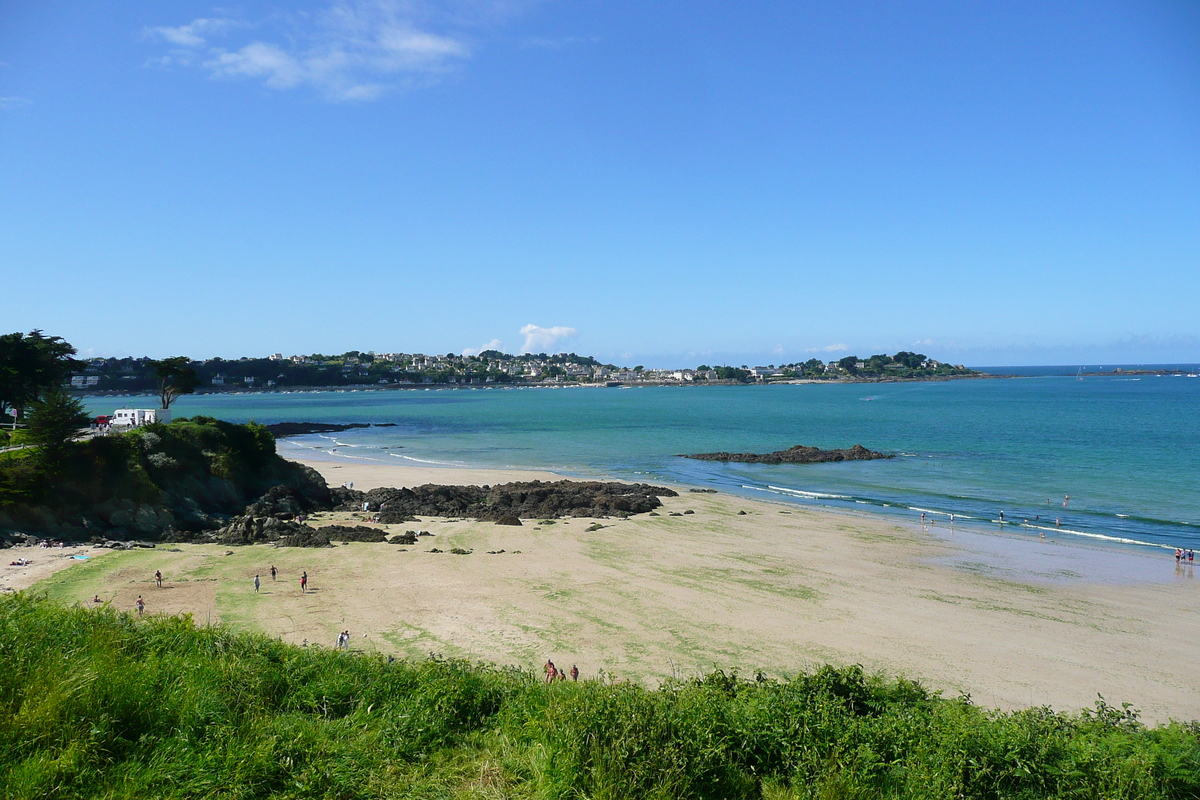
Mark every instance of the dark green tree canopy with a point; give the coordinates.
(175, 377)
(54, 421)
(29, 365)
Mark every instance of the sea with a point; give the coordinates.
(1110, 460)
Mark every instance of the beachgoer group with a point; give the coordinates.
(343, 641)
(553, 673)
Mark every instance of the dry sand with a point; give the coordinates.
(779, 589)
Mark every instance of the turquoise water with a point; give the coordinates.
(1124, 449)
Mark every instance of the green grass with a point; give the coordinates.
(98, 704)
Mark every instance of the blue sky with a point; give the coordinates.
(665, 183)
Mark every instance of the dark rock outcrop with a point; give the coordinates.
(794, 455)
(532, 499)
(249, 529)
(357, 533)
(281, 429)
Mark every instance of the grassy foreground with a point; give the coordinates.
(95, 703)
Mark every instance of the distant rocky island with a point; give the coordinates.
(799, 454)
(281, 429)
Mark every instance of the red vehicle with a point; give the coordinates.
(102, 419)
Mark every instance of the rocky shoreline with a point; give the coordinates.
(798, 454)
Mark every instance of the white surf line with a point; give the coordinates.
(430, 461)
(803, 493)
(1104, 536)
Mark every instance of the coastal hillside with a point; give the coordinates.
(188, 476)
(98, 703)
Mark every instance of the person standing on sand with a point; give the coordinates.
(551, 671)
(256, 584)
(303, 582)
(158, 578)
(141, 605)
(273, 572)
(574, 672)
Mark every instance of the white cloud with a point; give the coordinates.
(277, 68)
(494, 344)
(352, 50)
(778, 350)
(543, 340)
(7, 103)
(193, 34)
(829, 348)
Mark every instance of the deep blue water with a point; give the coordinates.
(1126, 450)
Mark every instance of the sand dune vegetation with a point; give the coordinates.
(99, 703)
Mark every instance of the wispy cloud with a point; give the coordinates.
(8, 103)
(195, 33)
(829, 348)
(351, 50)
(494, 344)
(543, 340)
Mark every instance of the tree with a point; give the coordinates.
(30, 365)
(849, 363)
(175, 377)
(54, 422)
(909, 359)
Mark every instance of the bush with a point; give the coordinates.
(95, 703)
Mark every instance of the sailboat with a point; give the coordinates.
(1079, 375)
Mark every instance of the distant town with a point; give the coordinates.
(491, 367)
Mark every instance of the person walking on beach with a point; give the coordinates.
(1191, 556)
(141, 605)
(273, 571)
(158, 578)
(303, 582)
(574, 672)
(256, 584)
(1178, 555)
(551, 671)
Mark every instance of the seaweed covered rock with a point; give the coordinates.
(248, 529)
(798, 454)
(356, 533)
(527, 499)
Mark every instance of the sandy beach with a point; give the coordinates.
(776, 588)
